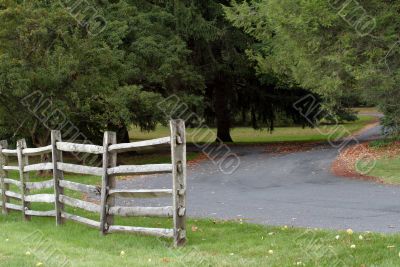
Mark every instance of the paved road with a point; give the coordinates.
(295, 189)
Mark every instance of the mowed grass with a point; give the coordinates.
(210, 242)
(366, 110)
(248, 135)
(387, 165)
(388, 170)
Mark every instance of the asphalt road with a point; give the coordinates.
(294, 189)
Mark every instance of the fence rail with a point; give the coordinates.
(108, 192)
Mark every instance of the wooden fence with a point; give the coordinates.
(109, 170)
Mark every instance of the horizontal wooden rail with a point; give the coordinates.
(39, 167)
(45, 198)
(13, 195)
(108, 191)
(13, 206)
(11, 168)
(36, 151)
(79, 148)
(39, 185)
(138, 146)
(77, 203)
(74, 168)
(12, 181)
(141, 193)
(140, 169)
(159, 232)
(9, 152)
(80, 219)
(142, 211)
(80, 187)
(50, 213)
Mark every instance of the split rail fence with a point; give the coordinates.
(109, 171)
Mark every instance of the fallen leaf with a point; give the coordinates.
(166, 260)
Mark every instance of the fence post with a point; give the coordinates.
(24, 176)
(178, 154)
(57, 175)
(3, 174)
(108, 182)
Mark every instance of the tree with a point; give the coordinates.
(219, 54)
(109, 70)
(67, 75)
(52, 54)
(327, 46)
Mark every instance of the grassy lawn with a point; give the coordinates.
(387, 165)
(249, 135)
(388, 170)
(366, 110)
(211, 243)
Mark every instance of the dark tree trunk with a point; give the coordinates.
(222, 113)
(253, 119)
(123, 135)
(244, 116)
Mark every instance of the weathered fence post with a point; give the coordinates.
(57, 175)
(108, 181)
(24, 176)
(109, 171)
(3, 174)
(178, 153)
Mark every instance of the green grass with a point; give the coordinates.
(248, 135)
(388, 170)
(366, 109)
(214, 243)
(385, 142)
(210, 243)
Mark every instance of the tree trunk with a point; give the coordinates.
(222, 112)
(123, 135)
(244, 116)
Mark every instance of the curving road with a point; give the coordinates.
(294, 189)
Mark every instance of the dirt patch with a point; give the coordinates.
(357, 161)
(197, 160)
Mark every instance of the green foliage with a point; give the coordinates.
(150, 50)
(314, 45)
(218, 52)
(98, 81)
(381, 143)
